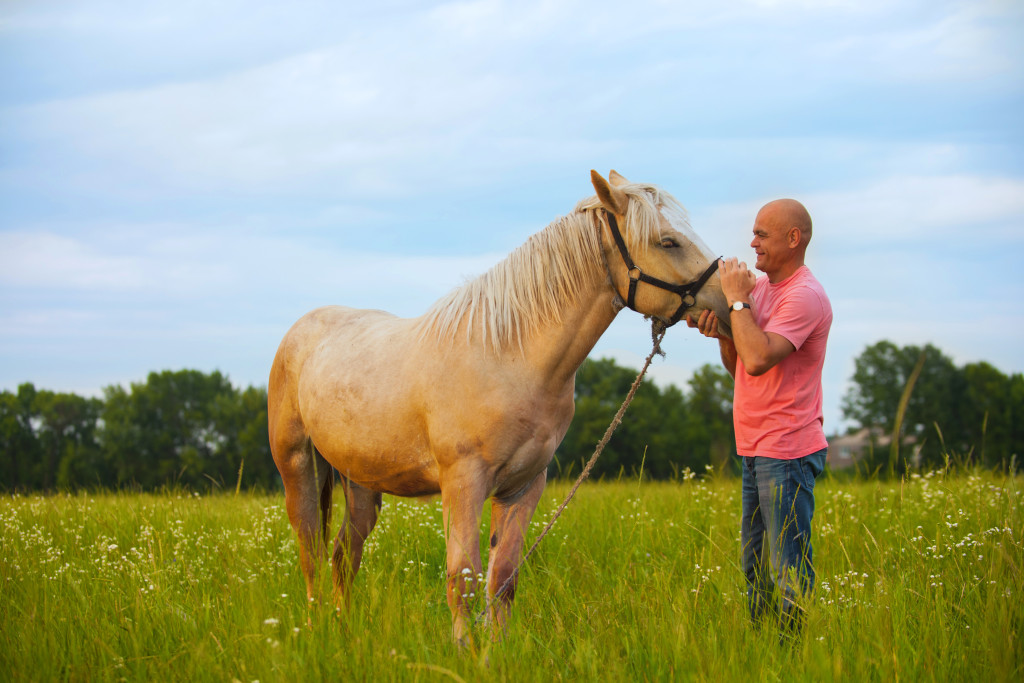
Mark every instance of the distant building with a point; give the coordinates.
(847, 450)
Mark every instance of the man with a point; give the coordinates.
(780, 323)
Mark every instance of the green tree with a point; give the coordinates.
(663, 431)
(182, 427)
(601, 386)
(48, 440)
(964, 412)
(247, 447)
(989, 406)
(648, 438)
(20, 451)
(67, 435)
(1016, 419)
(174, 428)
(710, 433)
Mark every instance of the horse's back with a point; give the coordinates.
(329, 344)
(323, 326)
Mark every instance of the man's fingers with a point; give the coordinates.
(706, 323)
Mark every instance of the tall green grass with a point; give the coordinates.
(917, 580)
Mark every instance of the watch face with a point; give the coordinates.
(737, 306)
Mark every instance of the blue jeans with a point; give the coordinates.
(775, 534)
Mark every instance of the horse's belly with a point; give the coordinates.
(406, 478)
(400, 469)
(376, 444)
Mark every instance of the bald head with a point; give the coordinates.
(786, 214)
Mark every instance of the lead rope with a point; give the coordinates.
(658, 330)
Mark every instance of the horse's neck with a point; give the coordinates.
(557, 350)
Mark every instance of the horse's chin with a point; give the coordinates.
(724, 330)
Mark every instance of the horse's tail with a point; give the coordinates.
(326, 494)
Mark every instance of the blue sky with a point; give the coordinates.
(180, 181)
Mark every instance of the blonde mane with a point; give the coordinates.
(545, 275)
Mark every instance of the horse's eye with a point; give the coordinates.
(669, 243)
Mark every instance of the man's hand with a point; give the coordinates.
(737, 281)
(707, 323)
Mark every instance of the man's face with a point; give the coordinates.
(769, 243)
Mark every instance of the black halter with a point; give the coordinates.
(687, 292)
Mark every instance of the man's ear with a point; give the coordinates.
(793, 237)
(612, 198)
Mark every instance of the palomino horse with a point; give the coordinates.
(472, 398)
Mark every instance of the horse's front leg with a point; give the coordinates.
(509, 521)
(462, 500)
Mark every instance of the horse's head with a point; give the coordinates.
(656, 261)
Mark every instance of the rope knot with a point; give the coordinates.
(658, 330)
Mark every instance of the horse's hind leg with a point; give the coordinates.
(361, 509)
(509, 521)
(308, 482)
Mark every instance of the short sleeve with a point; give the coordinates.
(797, 316)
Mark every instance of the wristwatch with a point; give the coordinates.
(739, 305)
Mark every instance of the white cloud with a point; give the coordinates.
(179, 263)
(955, 42)
(314, 117)
(49, 261)
(469, 90)
(894, 211)
(918, 209)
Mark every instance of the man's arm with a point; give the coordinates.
(728, 351)
(760, 351)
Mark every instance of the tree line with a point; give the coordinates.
(971, 414)
(184, 428)
(664, 432)
(196, 430)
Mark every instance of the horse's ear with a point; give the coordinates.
(617, 179)
(612, 198)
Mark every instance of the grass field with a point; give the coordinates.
(919, 580)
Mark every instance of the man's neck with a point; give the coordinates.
(784, 272)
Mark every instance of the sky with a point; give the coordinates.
(180, 181)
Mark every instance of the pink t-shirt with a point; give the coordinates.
(778, 414)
